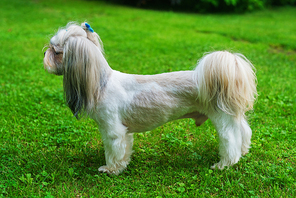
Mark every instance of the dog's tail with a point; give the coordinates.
(226, 81)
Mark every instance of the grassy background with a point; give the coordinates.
(45, 152)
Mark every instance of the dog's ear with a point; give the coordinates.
(82, 74)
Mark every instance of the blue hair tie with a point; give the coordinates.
(88, 27)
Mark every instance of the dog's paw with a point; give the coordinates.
(245, 151)
(103, 169)
(217, 166)
(106, 169)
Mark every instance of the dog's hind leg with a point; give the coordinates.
(246, 136)
(118, 148)
(230, 137)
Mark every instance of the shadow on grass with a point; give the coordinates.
(173, 160)
(77, 163)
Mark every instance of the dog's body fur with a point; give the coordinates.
(221, 88)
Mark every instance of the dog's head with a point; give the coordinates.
(71, 44)
(76, 53)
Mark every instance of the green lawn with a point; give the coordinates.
(46, 152)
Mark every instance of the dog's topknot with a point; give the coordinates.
(92, 35)
(74, 30)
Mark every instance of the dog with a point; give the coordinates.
(221, 88)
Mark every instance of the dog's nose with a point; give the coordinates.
(44, 53)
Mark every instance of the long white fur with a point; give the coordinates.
(222, 88)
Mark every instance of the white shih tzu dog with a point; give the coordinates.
(221, 88)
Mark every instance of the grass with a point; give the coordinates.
(45, 152)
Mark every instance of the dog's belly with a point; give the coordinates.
(198, 117)
(142, 123)
(149, 111)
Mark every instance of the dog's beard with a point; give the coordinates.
(53, 62)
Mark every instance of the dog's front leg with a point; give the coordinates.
(118, 147)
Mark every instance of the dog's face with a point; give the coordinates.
(54, 55)
(53, 59)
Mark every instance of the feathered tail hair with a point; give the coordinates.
(226, 81)
(85, 68)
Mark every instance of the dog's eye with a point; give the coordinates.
(58, 53)
(55, 50)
